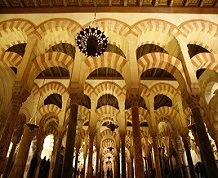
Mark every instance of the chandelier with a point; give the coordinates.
(91, 41)
(112, 126)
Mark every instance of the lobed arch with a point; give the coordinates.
(205, 60)
(208, 30)
(50, 59)
(55, 31)
(15, 31)
(109, 59)
(10, 59)
(165, 89)
(165, 62)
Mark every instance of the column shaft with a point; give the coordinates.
(156, 155)
(90, 168)
(204, 143)
(123, 153)
(69, 149)
(9, 128)
(139, 172)
(21, 158)
(188, 155)
(57, 158)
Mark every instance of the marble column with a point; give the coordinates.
(97, 163)
(70, 140)
(22, 155)
(123, 153)
(16, 102)
(208, 157)
(90, 168)
(139, 172)
(185, 139)
(156, 154)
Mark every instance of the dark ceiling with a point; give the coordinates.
(141, 6)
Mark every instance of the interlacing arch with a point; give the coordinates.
(208, 30)
(50, 59)
(165, 89)
(15, 31)
(54, 31)
(10, 59)
(206, 61)
(165, 62)
(109, 59)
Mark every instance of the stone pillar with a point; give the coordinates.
(90, 168)
(57, 157)
(76, 162)
(185, 139)
(40, 141)
(118, 162)
(16, 102)
(21, 158)
(71, 134)
(123, 153)
(204, 144)
(156, 154)
(139, 172)
(97, 163)
(15, 140)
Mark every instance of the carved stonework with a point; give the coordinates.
(134, 99)
(75, 98)
(193, 101)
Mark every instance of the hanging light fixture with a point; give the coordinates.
(32, 123)
(91, 41)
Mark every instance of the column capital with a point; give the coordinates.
(75, 98)
(193, 101)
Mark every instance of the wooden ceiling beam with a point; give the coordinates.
(35, 3)
(113, 9)
(7, 3)
(202, 3)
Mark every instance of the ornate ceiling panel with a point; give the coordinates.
(55, 6)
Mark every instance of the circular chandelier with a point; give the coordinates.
(91, 41)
